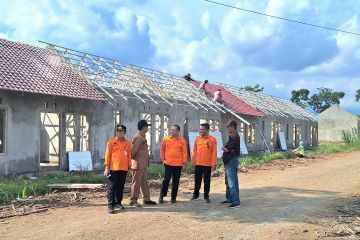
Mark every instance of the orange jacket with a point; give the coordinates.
(204, 151)
(173, 151)
(118, 154)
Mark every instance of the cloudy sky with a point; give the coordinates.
(209, 41)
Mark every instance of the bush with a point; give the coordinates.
(350, 137)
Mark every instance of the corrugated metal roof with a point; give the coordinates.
(231, 101)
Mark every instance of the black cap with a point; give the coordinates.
(143, 123)
(120, 128)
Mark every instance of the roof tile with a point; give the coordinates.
(25, 68)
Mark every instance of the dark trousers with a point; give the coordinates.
(175, 173)
(201, 171)
(115, 187)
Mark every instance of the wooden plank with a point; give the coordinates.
(74, 186)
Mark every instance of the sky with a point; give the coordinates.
(209, 41)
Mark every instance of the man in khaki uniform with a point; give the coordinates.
(139, 165)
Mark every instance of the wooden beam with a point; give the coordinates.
(74, 186)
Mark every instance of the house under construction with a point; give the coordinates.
(56, 100)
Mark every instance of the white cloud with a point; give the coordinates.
(3, 35)
(279, 86)
(205, 20)
(211, 42)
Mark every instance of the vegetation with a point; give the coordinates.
(300, 97)
(320, 101)
(11, 189)
(357, 96)
(256, 88)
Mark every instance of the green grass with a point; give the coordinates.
(262, 158)
(324, 149)
(11, 189)
(156, 171)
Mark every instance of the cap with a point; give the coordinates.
(143, 123)
(120, 128)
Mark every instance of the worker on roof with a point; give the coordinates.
(117, 163)
(202, 87)
(218, 96)
(188, 78)
(300, 151)
(173, 153)
(204, 157)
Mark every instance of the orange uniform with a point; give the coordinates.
(204, 152)
(118, 154)
(173, 151)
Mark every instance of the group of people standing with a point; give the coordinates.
(122, 155)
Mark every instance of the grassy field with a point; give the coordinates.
(21, 187)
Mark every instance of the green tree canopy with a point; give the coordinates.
(256, 88)
(300, 97)
(357, 97)
(324, 99)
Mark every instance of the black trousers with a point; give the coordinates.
(115, 187)
(173, 172)
(201, 171)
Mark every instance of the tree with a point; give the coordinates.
(300, 97)
(325, 99)
(255, 88)
(357, 97)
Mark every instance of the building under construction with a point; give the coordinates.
(56, 100)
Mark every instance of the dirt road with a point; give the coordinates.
(278, 202)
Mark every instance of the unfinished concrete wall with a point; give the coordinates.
(22, 135)
(333, 121)
(23, 129)
(265, 127)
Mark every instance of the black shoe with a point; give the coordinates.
(111, 209)
(161, 200)
(234, 206)
(119, 207)
(194, 197)
(149, 202)
(225, 202)
(173, 201)
(135, 204)
(207, 200)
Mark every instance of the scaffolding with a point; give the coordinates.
(117, 80)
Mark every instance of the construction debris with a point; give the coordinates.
(41, 204)
(347, 220)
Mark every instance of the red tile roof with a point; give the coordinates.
(231, 101)
(25, 68)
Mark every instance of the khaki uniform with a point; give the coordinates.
(139, 165)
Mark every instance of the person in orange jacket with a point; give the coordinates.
(117, 163)
(173, 153)
(204, 157)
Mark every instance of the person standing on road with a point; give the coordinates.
(173, 153)
(231, 162)
(204, 157)
(117, 163)
(139, 166)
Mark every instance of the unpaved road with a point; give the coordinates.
(291, 202)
